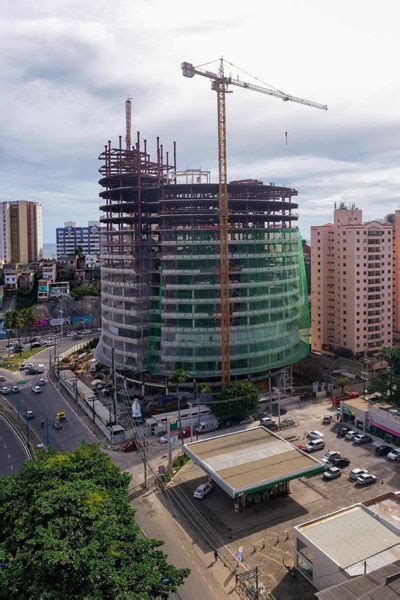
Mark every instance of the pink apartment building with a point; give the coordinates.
(352, 283)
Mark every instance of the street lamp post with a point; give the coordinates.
(278, 391)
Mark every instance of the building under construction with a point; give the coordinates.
(160, 255)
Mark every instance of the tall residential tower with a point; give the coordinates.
(21, 234)
(352, 283)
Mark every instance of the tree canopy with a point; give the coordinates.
(67, 531)
(236, 401)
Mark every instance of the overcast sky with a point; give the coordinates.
(66, 67)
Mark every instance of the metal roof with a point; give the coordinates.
(252, 459)
(351, 536)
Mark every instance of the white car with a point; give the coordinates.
(326, 462)
(350, 435)
(354, 473)
(394, 454)
(365, 479)
(331, 473)
(314, 445)
(164, 439)
(42, 381)
(331, 453)
(37, 389)
(315, 435)
(202, 491)
(5, 390)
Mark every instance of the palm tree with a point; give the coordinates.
(178, 377)
(14, 320)
(29, 318)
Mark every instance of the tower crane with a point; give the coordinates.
(220, 83)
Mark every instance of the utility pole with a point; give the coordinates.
(27, 431)
(47, 432)
(169, 446)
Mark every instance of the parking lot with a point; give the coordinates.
(265, 530)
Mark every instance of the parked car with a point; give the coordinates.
(129, 446)
(365, 479)
(2, 378)
(5, 390)
(42, 381)
(314, 445)
(350, 434)
(202, 491)
(300, 446)
(275, 411)
(288, 423)
(268, 423)
(36, 345)
(15, 389)
(22, 366)
(383, 450)
(327, 420)
(31, 371)
(356, 473)
(315, 435)
(29, 414)
(37, 389)
(164, 438)
(340, 461)
(57, 425)
(246, 420)
(394, 454)
(331, 454)
(343, 429)
(326, 462)
(331, 473)
(362, 438)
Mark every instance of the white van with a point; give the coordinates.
(40, 368)
(205, 425)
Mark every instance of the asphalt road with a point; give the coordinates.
(46, 404)
(13, 453)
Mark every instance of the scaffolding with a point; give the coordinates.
(161, 277)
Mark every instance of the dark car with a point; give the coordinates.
(341, 432)
(129, 446)
(383, 450)
(57, 425)
(340, 461)
(275, 411)
(36, 345)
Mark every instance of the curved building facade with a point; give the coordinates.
(161, 273)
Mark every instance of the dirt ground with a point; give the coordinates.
(265, 530)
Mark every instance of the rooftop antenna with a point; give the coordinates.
(128, 123)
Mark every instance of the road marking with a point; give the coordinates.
(5, 446)
(8, 456)
(12, 468)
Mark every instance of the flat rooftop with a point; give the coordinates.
(250, 460)
(387, 507)
(354, 539)
(358, 403)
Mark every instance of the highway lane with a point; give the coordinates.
(13, 453)
(46, 404)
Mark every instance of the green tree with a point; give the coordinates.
(29, 318)
(236, 401)
(342, 382)
(179, 376)
(67, 531)
(14, 320)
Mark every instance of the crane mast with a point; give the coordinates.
(220, 84)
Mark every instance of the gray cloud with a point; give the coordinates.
(66, 68)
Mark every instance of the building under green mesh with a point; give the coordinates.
(161, 282)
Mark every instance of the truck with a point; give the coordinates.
(208, 423)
